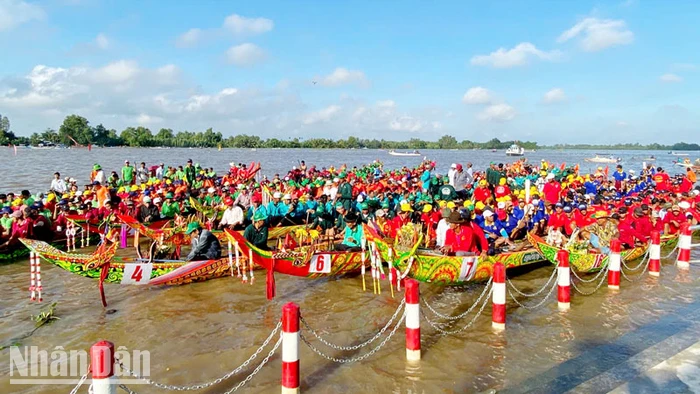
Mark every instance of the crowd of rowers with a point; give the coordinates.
(462, 211)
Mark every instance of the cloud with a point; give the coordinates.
(670, 78)
(101, 41)
(321, 116)
(245, 55)
(684, 67)
(520, 55)
(147, 120)
(497, 113)
(343, 76)
(242, 26)
(553, 96)
(477, 95)
(597, 34)
(190, 38)
(15, 12)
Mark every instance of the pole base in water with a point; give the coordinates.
(287, 390)
(498, 326)
(684, 265)
(613, 287)
(564, 306)
(655, 274)
(412, 355)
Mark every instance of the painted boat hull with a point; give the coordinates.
(302, 264)
(19, 250)
(455, 270)
(167, 274)
(589, 262)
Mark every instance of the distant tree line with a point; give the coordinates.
(77, 129)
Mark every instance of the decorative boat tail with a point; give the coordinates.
(590, 262)
(19, 250)
(308, 263)
(427, 266)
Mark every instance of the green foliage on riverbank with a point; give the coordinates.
(79, 129)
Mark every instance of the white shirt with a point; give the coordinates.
(232, 216)
(159, 172)
(451, 176)
(441, 232)
(58, 185)
(100, 177)
(333, 192)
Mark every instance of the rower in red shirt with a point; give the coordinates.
(402, 218)
(661, 179)
(551, 190)
(461, 239)
(558, 219)
(641, 221)
(673, 220)
(581, 217)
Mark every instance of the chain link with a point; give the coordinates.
(355, 359)
(209, 384)
(128, 390)
(671, 253)
(80, 382)
(258, 368)
(363, 344)
(639, 276)
(602, 270)
(644, 259)
(539, 304)
(602, 280)
(461, 315)
(530, 295)
(471, 322)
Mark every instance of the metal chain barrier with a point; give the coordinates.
(209, 384)
(258, 368)
(672, 252)
(128, 390)
(461, 315)
(80, 382)
(355, 359)
(605, 269)
(535, 294)
(644, 259)
(539, 304)
(602, 280)
(363, 344)
(471, 322)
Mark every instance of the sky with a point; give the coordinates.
(546, 71)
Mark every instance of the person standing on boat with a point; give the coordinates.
(205, 246)
(462, 180)
(128, 173)
(57, 184)
(620, 178)
(256, 232)
(345, 192)
(189, 173)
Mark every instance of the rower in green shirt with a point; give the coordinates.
(256, 232)
(170, 208)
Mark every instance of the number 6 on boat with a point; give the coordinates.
(137, 274)
(320, 264)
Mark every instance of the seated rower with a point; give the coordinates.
(462, 238)
(205, 246)
(256, 232)
(352, 235)
(600, 233)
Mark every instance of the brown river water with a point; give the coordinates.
(198, 332)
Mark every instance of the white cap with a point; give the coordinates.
(379, 213)
(329, 183)
(487, 214)
(684, 205)
(157, 200)
(277, 195)
(336, 180)
(287, 197)
(695, 192)
(211, 190)
(147, 199)
(550, 176)
(360, 198)
(453, 165)
(501, 205)
(78, 193)
(72, 180)
(126, 161)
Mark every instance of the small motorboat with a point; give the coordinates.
(414, 153)
(677, 153)
(515, 150)
(603, 159)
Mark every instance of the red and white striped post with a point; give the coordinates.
(290, 348)
(684, 245)
(32, 277)
(564, 281)
(498, 309)
(102, 365)
(614, 262)
(37, 266)
(412, 320)
(655, 254)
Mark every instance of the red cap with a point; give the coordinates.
(459, 167)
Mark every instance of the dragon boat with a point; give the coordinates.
(425, 265)
(590, 261)
(307, 261)
(105, 266)
(16, 251)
